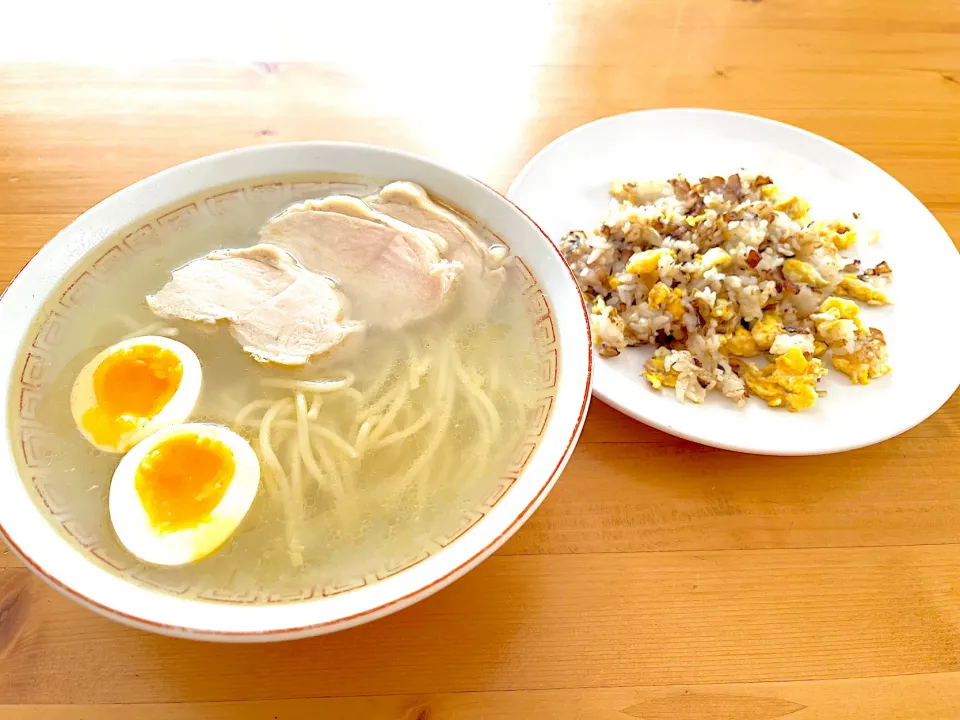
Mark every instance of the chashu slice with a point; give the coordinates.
(278, 311)
(409, 203)
(484, 276)
(355, 207)
(392, 273)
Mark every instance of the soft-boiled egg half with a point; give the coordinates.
(134, 388)
(179, 494)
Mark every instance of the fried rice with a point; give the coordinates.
(737, 287)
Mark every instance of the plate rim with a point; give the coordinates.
(601, 373)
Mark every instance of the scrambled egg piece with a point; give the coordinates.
(841, 309)
(740, 343)
(838, 324)
(658, 295)
(787, 341)
(714, 257)
(769, 191)
(661, 297)
(794, 207)
(852, 286)
(790, 381)
(799, 271)
(657, 375)
(838, 234)
(867, 361)
(647, 261)
(766, 329)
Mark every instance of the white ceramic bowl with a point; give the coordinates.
(94, 246)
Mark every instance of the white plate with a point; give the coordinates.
(564, 187)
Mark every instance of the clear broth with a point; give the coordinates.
(339, 551)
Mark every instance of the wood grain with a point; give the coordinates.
(660, 579)
(910, 697)
(517, 623)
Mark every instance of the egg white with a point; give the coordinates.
(177, 409)
(178, 547)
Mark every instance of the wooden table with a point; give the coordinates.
(660, 579)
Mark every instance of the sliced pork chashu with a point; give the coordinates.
(409, 203)
(355, 207)
(392, 273)
(278, 311)
(483, 276)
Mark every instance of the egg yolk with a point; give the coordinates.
(182, 480)
(129, 385)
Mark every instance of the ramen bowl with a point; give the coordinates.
(77, 553)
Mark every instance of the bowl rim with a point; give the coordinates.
(391, 604)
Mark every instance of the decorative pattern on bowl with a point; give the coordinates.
(99, 269)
